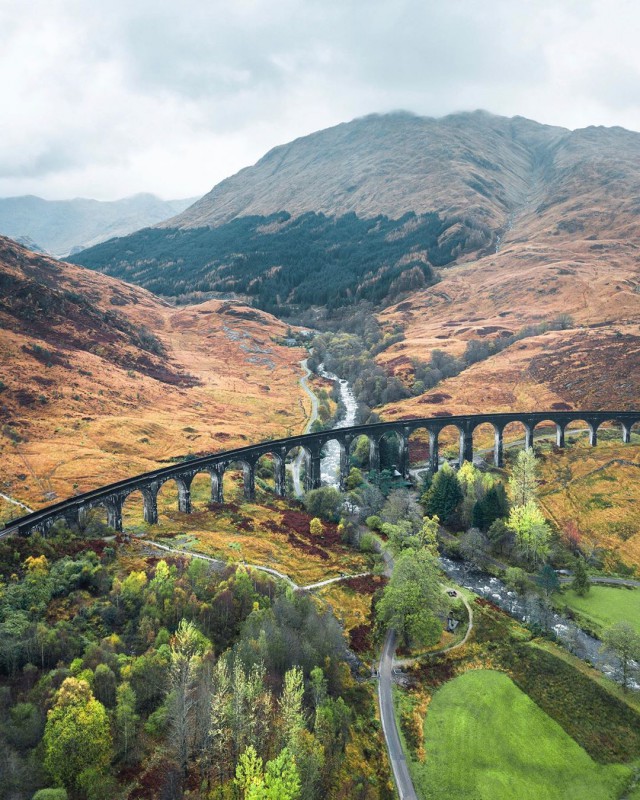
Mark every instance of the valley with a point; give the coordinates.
(261, 361)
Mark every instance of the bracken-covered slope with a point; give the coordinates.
(101, 380)
(387, 164)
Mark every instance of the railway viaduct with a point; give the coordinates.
(113, 496)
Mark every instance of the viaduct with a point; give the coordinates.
(113, 496)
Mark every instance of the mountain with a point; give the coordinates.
(64, 226)
(376, 208)
(101, 380)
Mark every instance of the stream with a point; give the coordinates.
(330, 470)
(525, 609)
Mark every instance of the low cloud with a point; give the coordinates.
(106, 99)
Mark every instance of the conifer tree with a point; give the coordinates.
(444, 496)
(580, 583)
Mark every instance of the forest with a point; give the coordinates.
(123, 675)
(285, 264)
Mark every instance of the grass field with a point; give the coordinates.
(486, 740)
(604, 605)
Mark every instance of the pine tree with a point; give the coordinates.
(580, 583)
(494, 505)
(444, 496)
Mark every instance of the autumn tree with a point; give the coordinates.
(523, 483)
(315, 527)
(77, 736)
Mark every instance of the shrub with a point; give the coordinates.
(50, 794)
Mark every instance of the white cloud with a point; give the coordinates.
(105, 99)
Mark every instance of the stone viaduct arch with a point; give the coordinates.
(112, 497)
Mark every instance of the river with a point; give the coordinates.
(330, 470)
(524, 609)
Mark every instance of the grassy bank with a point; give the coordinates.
(605, 605)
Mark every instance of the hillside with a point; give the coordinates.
(60, 227)
(101, 380)
(377, 208)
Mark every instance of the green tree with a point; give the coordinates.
(531, 531)
(474, 547)
(187, 647)
(324, 502)
(77, 735)
(580, 583)
(473, 490)
(291, 711)
(493, 506)
(104, 685)
(523, 483)
(443, 497)
(126, 718)
(428, 534)
(354, 479)
(516, 579)
(412, 599)
(278, 781)
(622, 639)
(547, 580)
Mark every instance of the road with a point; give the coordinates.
(397, 759)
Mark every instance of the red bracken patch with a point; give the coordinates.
(360, 638)
(366, 584)
(296, 526)
(488, 604)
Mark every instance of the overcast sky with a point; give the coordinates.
(106, 98)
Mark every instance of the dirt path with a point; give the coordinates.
(220, 562)
(16, 502)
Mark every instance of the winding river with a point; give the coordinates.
(330, 470)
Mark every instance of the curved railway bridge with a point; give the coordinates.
(112, 496)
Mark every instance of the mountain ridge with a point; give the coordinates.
(60, 226)
(312, 207)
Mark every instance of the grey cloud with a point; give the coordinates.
(130, 91)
